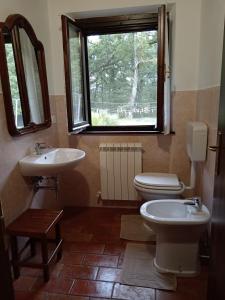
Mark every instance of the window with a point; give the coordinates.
(114, 71)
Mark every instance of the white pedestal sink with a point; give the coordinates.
(51, 162)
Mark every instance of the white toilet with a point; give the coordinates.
(178, 225)
(164, 185)
(158, 186)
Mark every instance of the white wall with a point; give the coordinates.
(210, 54)
(185, 40)
(186, 45)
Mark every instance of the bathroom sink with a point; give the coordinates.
(51, 162)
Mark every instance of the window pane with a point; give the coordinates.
(123, 78)
(14, 86)
(76, 75)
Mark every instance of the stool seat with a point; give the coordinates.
(35, 224)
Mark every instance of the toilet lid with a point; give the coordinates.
(160, 180)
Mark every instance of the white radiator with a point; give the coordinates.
(119, 163)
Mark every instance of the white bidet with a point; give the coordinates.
(178, 228)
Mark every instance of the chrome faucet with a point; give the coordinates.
(38, 147)
(196, 202)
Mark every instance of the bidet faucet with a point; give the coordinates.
(38, 147)
(195, 201)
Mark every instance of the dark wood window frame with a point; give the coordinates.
(9, 32)
(109, 25)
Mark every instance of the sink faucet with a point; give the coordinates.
(195, 201)
(38, 147)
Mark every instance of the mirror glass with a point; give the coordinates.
(23, 76)
(14, 88)
(32, 77)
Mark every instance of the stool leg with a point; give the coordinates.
(15, 256)
(32, 247)
(58, 239)
(44, 251)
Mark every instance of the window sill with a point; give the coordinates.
(122, 132)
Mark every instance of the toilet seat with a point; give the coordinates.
(159, 183)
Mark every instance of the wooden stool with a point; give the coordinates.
(35, 224)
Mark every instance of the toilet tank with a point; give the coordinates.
(196, 140)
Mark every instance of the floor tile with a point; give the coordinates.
(92, 288)
(55, 269)
(22, 295)
(78, 271)
(187, 289)
(31, 272)
(71, 227)
(54, 285)
(114, 249)
(93, 254)
(101, 260)
(127, 292)
(109, 274)
(94, 248)
(72, 258)
(77, 236)
(104, 238)
(65, 297)
(99, 298)
(24, 283)
(120, 260)
(115, 231)
(102, 226)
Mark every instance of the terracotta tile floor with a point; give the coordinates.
(91, 265)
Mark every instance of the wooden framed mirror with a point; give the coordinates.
(23, 77)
